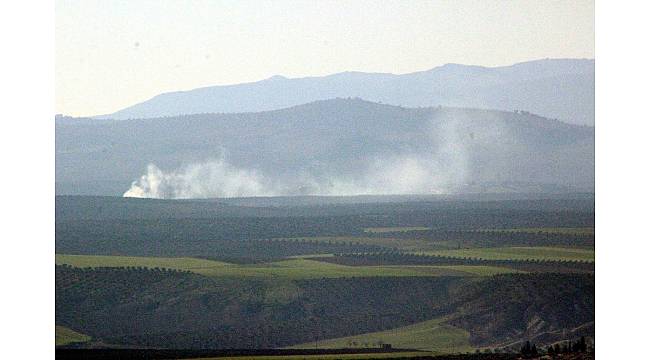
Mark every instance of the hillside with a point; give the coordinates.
(431, 335)
(557, 88)
(181, 310)
(333, 147)
(507, 309)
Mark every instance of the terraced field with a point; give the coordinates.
(432, 335)
(290, 269)
(520, 253)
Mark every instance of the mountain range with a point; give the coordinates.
(554, 88)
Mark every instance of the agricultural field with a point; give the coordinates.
(481, 270)
(180, 263)
(551, 230)
(67, 336)
(324, 276)
(520, 253)
(391, 355)
(432, 335)
(380, 230)
(289, 269)
(387, 242)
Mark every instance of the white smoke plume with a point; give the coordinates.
(211, 179)
(440, 170)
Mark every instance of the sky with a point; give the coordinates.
(113, 54)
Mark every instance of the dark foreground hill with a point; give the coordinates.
(167, 309)
(556, 88)
(335, 147)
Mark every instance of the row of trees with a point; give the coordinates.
(494, 237)
(529, 350)
(401, 258)
(122, 268)
(395, 253)
(569, 347)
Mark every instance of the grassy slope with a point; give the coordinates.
(66, 336)
(520, 253)
(290, 269)
(481, 270)
(180, 263)
(429, 335)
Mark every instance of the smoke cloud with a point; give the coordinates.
(211, 179)
(442, 168)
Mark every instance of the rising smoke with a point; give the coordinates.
(211, 179)
(440, 169)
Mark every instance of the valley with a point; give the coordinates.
(258, 274)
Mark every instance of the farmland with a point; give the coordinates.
(432, 335)
(336, 229)
(67, 336)
(149, 262)
(104, 301)
(380, 230)
(290, 269)
(439, 276)
(394, 355)
(385, 242)
(265, 354)
(551, 230)
(520, 253)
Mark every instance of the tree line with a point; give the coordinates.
(401, 258)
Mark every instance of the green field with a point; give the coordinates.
(178, 263)
(289, 269)
(520, 253)
(432, 335)
(481, 270)
(66, 336)
(395, 229)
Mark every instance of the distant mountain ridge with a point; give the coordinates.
(553, 88)
(332, 147)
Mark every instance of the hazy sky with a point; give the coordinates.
(112, 54)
